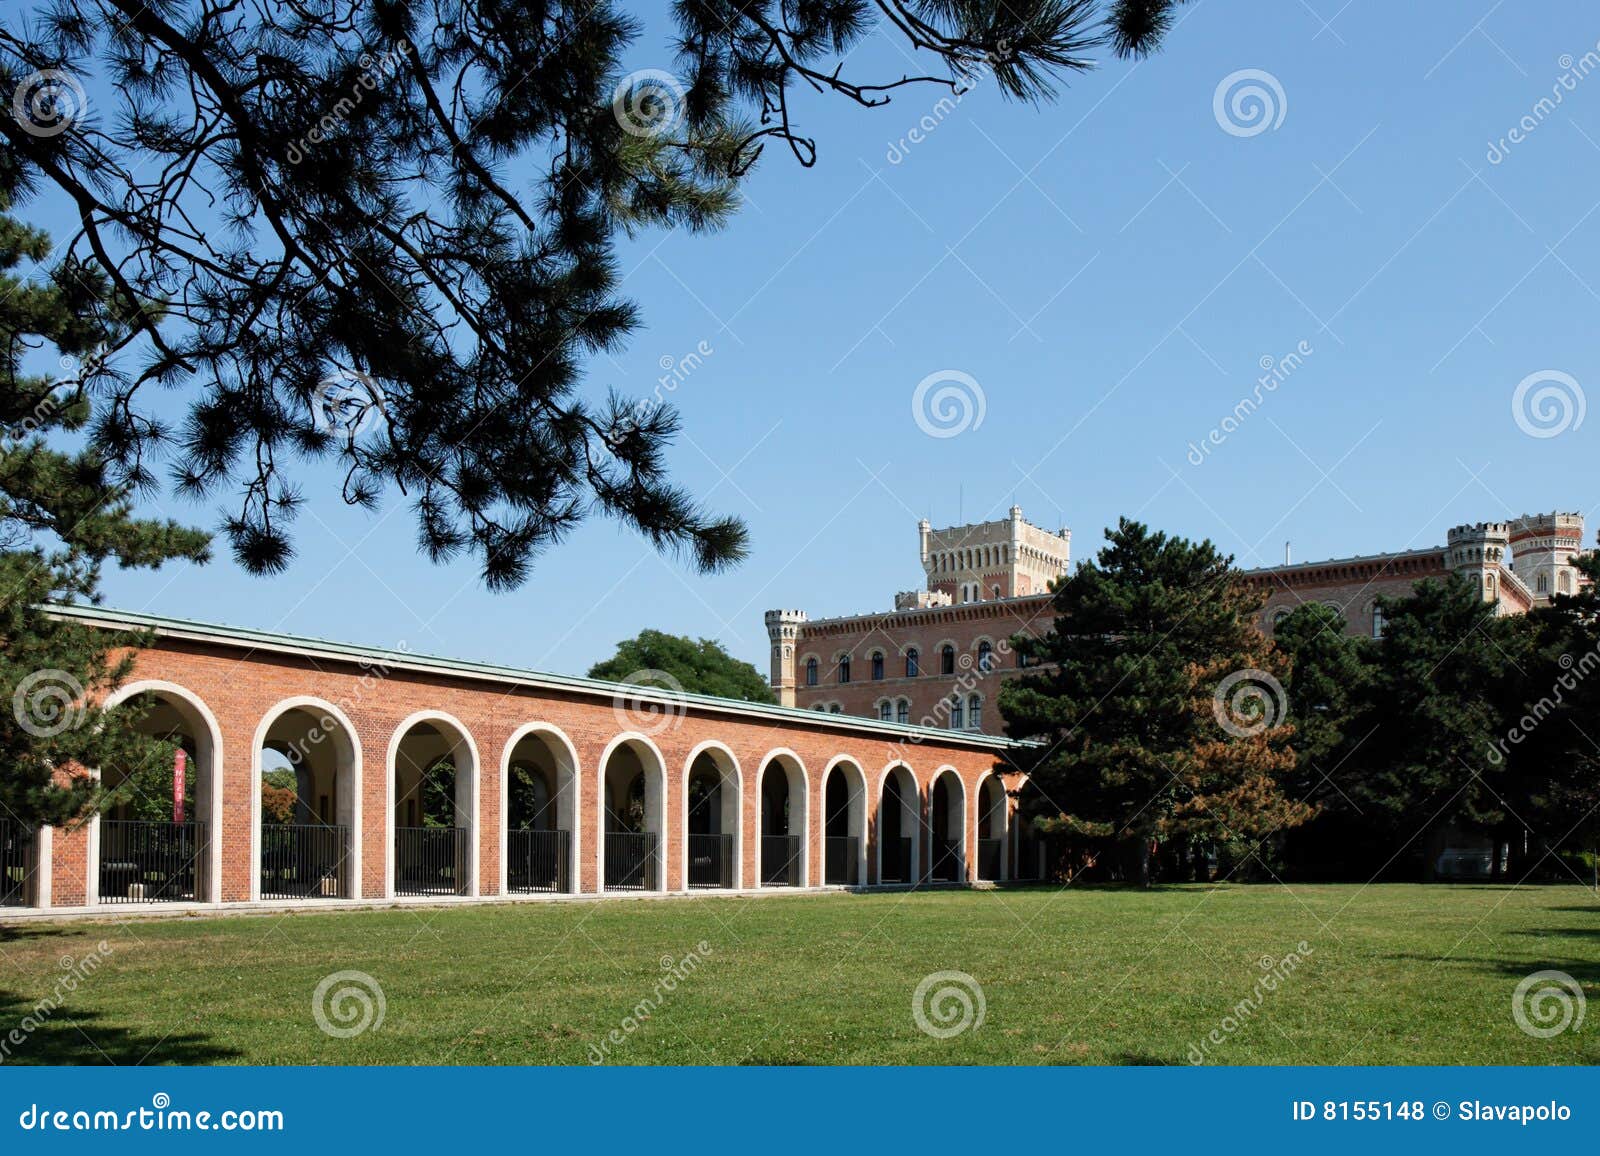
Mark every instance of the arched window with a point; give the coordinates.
(913, 660)
(844, 668)
(1377, 620)
(1544, 583)
(955, 713)
(975, 712)
(1565, 582)
(885, 710)
(877, 665)
(835, 708)
(985, 655)
(811, 672)
(902, 711)
(947, 659)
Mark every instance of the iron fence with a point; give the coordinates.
(710, 860)
(144, 862)
(841, 856)
(430, 860)
(780, 860)
(537, 861)
(897, 867)
(991, 855)
(16, 864)
(945, 865)
(632, 862)
(303, 861)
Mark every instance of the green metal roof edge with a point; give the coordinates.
(242, 636)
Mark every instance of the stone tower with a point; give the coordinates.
(1477, 552)
(1007, 558)
(1542, 549)
(783, 628)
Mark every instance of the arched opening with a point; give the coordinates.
(947, 806)
(541, 813)
(899, 827)
(992, 829)
(783, 822)
(305, 800)
(633, 786)
(19, 859)
(155, 841)
(435, 776)
(844, 824)
(711, 819)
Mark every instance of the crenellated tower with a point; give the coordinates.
(1542, 548)
(1477, 552)
(783, 629)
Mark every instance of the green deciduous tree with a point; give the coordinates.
(698, 667)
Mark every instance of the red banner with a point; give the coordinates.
(179, 764)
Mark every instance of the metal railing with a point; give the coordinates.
(710, 860)
(897, 865)
(303, 861)
(780, 860)
(632, 861)
(150, 862)
(16, 864)
(537, 861)
(945, 864)
(841, 860)
(991, 856)
(430, 860)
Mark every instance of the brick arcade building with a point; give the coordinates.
(934, 659)
(551, 786)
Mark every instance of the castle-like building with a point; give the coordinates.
(936, 659)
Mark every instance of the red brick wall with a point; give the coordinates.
(240, 688)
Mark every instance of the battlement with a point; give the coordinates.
(1480, 532)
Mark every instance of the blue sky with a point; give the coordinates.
(1110, 270)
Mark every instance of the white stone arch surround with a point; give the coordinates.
(568, 789)
(208, 744)
(787, 758)
(911, 801)
(655, 802)
(350, 793)
(857, 822)
(735, 775)
(1004, 812)
(464, 745)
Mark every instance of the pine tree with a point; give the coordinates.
(60, 520)
(1159, 701)
(383, 233)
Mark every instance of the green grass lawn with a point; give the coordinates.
(1395, 974)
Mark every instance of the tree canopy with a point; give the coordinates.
(383, 233)
(702, 667)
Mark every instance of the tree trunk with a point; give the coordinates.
(1144, 861)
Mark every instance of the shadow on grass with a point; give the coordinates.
(66, 1036)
